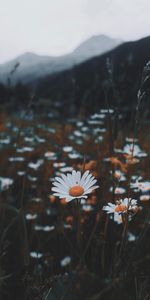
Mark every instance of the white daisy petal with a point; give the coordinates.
(109, 209)
(88, 191)
(84, 177)
(83, 197)
(90, 179)
(57, 178)
(126, 201)
(54, 189)
(78, 177)
(94, 187)
(60, 186)
(74, 174)
(59, 195)
(64, 177)
(91, 183)
(69, 177)
(68, 182)
(86, 181)
(69, 198)
(60, 180)
(133, 202)
(73, 177)
(56, 183)
(111, 204)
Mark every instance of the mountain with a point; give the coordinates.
(94, 46)
(113, 78)
(30, 66)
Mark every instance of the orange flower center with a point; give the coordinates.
(76, 191)
(121, 208)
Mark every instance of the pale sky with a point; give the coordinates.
(55, 27)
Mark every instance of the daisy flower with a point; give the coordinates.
(140, 185)
(74, 185)
(121, 207)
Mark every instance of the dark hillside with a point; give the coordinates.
(113, 78)
(117, 73)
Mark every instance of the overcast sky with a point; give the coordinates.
(55, 27)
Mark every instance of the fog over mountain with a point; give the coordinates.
(30, 66)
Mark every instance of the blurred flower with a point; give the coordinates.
(144, 198)
(140, 185)
(118, 175)
(117, 163)
(36, 254)
(130, 160)
(67, 148)
(118, 190)
(131, 237)
(121, 207)
(92, 200)
(63, 201)
(52, 198)
(69, 219)
(30, 216)
(5, 183)
(74, 185)
(133, 150)
(65, 261)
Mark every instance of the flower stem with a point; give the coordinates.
(78, 226)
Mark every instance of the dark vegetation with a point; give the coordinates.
(38, 230)
(84, 87)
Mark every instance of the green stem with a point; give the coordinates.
(78, 226)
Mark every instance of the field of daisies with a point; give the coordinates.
(75, 207)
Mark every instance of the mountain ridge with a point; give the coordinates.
(116, 74)
(32, 66)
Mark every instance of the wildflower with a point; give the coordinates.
(131, 237)
(117, 163)
(118, 190)
(131, 160)
(63, 201)
(74, 185)
(144, 198)
(52, 198)
(121, 206)
(69, 219)
(119, 175)
(36, 255)
(5, 183)
(31, 217)
(91, 166)
(134, 150)
(65, 261)
(142, 186)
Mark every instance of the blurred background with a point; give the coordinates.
(57, 53)
(74, 94)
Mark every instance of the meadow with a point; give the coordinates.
(74, 201)
(53, 250)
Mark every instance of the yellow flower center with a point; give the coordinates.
(76, 191)
(121, 208)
